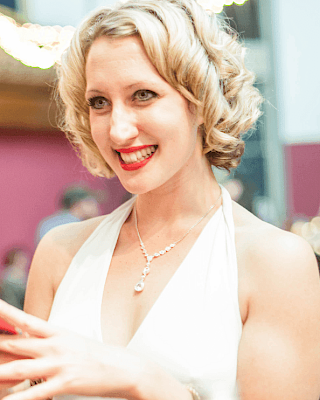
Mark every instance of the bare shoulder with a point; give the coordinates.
(67, 239)
(264, 247)
(275, 267)
(51, 261)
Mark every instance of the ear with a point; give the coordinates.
(199, 112)
(200, 120)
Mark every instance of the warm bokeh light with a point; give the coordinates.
(309, 230)
(217, 5)
(34, 45)
(41, 46)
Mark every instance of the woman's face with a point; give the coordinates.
(144, 128)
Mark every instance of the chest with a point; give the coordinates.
(123, 310)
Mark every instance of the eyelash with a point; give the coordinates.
(154, 95)
(92, 101)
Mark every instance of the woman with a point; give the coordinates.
(179, 293)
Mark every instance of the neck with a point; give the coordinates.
(186, 196)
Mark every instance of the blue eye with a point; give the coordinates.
(144, 95)
(97, 102)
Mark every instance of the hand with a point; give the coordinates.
(69, 363)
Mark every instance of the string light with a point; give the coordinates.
(34, 45)
(41, 46)
(217, 5)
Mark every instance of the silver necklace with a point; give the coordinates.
(140, 285)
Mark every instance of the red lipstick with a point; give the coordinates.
(132, 149)
(134, 166)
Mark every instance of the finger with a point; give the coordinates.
(26, 322)
(45, 390)
(20, 370)
(29, 348)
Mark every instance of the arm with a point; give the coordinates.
(51, 261)
(49, 265)
(39, 297)
(279, 353)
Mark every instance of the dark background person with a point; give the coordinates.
(76, 204)
(14, 277)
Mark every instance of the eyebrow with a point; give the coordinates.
(141, 83)
(138, 83)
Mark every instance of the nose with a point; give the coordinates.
(123, 126)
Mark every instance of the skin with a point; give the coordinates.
(279, 289)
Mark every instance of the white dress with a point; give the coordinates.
(193, 329)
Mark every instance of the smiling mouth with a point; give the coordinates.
(128, 157)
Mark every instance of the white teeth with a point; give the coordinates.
(133, 157)
(130, 158)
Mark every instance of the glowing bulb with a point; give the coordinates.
(34, 45)
(42, 46)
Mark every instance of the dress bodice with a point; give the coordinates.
(194, 327)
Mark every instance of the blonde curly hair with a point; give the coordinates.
(196, 53)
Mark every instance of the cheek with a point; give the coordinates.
(165, 120)
(99, 132)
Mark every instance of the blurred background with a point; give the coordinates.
(42, 182)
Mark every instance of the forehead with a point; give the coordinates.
(119, 59)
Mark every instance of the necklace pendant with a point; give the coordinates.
(139, 286)
(146, 270)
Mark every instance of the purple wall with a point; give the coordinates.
(34, 168)
(303, 179)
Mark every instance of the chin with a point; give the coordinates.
(136, 189)
(138, 185)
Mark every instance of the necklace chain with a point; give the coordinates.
(140, 285)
